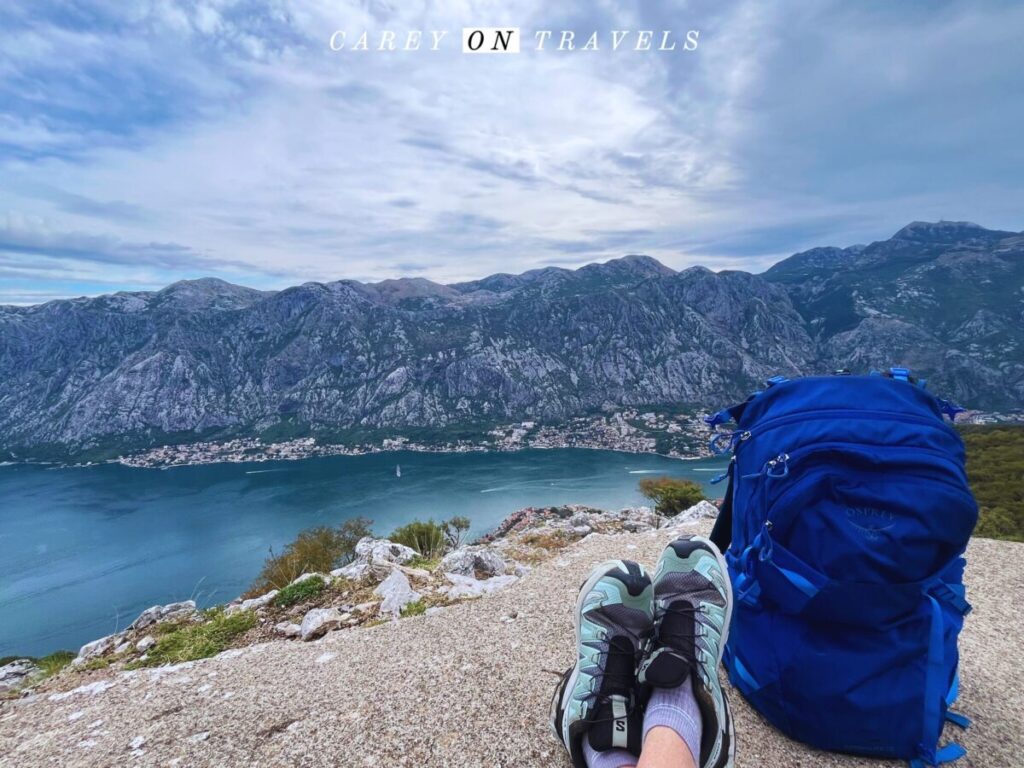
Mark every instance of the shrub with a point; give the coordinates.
(427, 538)
(671, 495)
(455, 531)
(416, 608)
(198, 640)
(995, 467)
(315, 549)
(55, 662)
(297, 593)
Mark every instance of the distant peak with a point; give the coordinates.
(640, 264)
(943, 231)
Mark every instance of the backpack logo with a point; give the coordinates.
(870, 522)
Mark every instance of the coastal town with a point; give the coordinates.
(676, 435)
(631, 431)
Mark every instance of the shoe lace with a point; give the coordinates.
(681, 642)
(621, 683)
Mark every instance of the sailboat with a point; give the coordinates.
(398, 470)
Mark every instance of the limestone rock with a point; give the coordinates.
(288, 629)
(352, 572)
(372, 550)
(467, 586)
(98, 648)
(318, 622)
(251, 605)
(167, 612)
(397, 593)
(699, 511)
(145, 644)
(18, 673)
(474, 560)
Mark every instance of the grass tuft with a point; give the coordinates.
(300, 592)
(417, 608)
(188, 642)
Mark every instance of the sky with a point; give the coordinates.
(147, 142)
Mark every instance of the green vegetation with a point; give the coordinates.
(671, 495)
(426, 563)
(427, 538)
(995, 467)
(417, 608)
(55, 662)
(455, 531)
(306, 589)
(432, 540)
(188, 640)
(314, 550)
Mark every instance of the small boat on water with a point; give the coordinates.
(398, 470)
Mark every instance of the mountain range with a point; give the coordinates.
(205, 358)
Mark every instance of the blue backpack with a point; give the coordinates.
(844, 527)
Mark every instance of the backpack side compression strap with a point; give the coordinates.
(721, 534)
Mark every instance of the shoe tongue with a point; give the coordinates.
(670, 663)
(616, 722)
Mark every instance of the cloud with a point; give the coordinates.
(169, 139)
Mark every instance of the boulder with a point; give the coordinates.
(474, 560)
(18, 673)
(370, 550)
(98, 648)
(288, 629)
(352, 572)
(251, 605)
(145, 643)
(167, 612)
(397, 593)
(701, 510)
(375, 557)
(467, 586)
(124, 647)
(318, 622)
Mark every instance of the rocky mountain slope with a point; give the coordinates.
(208, 358)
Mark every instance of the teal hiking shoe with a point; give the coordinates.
(692, 610)
(596, 698)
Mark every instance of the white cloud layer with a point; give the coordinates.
(167, 139)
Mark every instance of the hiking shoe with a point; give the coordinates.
(692, 609)
(596, 698)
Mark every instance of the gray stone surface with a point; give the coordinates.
(467, 586)
(167, 612)
(472, 560)
(396, 593)
(252, 604)
(318, 622)
(17, 673)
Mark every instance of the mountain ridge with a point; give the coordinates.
(205, 356)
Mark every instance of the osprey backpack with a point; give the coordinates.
(844, 527)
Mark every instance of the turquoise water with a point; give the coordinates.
(84, 550)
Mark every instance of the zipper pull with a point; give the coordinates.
(777, 467)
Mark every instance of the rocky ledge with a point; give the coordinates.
(385, 581)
